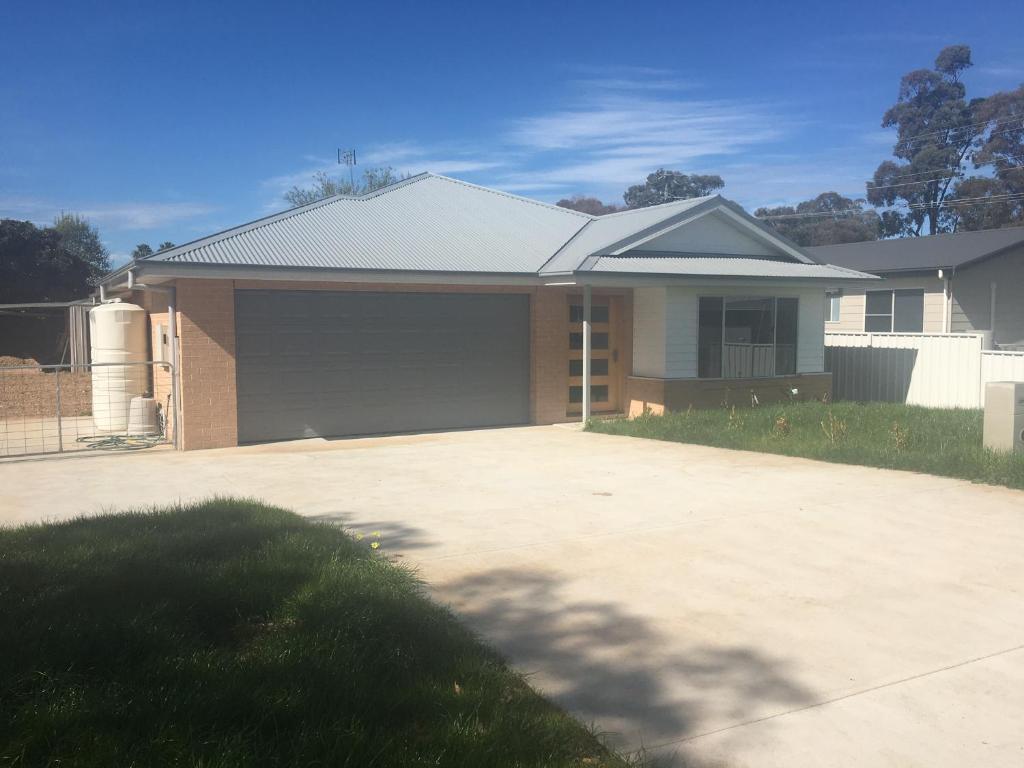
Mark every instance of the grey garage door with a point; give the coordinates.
(316, 363)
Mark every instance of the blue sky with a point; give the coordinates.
(173, 120)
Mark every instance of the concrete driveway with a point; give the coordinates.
(725, 608)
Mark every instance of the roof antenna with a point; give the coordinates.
(348, 157)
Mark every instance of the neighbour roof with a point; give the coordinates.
(915, 254)
(430, 223)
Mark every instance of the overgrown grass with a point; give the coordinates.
(230, 633)
(936, 441)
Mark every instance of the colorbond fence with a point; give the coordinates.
(934, 370)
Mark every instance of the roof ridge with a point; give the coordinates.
(695, 200)
(511, 196)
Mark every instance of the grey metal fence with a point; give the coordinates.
(101, 407)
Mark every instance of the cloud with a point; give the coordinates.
(116, 216)
(614, 126)
(1003, 71)
(405, 157)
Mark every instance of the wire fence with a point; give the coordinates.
(101, 407)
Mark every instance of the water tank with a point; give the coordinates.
(118, 335)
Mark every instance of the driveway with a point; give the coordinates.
(727, 608)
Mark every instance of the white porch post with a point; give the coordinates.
(586, 353)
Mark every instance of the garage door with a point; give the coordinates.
(315, 363)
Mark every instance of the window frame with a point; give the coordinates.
(891, 314)
(833, 298)
(723, 302)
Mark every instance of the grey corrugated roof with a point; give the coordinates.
(427, 223)
(911, 254)
(718, 266)
(433, 223)
(605, 231)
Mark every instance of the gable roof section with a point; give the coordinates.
(431, 223)
(425, 223)
(620, 233)
(919, 254)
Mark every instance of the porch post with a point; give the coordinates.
(586, 353)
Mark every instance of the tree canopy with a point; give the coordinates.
(37, 264)
(324, 185)
(82, 242)
(142, 250)
(925, 189)
(590, 205)
(827, 219)
(667, 186)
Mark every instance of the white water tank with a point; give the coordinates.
(118, 335)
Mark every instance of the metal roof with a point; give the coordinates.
(604, 232)
(917, 254)
(426, 223)
(719, 266)
(431, 223)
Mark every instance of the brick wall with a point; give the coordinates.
(207, 347)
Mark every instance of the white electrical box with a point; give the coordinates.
(1004, 416)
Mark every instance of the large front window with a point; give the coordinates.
(746, 337)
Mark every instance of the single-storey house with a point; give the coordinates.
(965, 282)
(436, 304)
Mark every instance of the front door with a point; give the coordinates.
(605, 359)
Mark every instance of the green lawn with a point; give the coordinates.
(230, 633)
(936, 441)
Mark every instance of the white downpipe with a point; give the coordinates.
(586, 353)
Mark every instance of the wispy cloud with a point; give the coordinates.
(405, 157)
(615, 126)
(115, 216)
(1003, 71)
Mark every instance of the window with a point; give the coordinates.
(900, 311)
(833, 302)
(598, 393)
(597, 341)
(598, 367)
(598, 313)
(746, 337)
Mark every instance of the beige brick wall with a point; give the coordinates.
(207, 347)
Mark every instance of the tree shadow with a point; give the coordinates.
(392, 535)
(640, 687)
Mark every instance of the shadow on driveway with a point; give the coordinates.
(614, 669)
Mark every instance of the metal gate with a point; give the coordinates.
(97, 407)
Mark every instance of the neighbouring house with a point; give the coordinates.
(437, 304)
(959, 283)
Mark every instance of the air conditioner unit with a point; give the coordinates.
(1004, 416)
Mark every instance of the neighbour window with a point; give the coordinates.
(833, 301)
(900, 311)
(746, 337)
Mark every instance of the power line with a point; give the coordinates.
(999, 124)
(873, 186)
(959, 202)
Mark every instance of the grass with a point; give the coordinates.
(230, 633)
(936, 441)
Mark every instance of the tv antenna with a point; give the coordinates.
(348, 157)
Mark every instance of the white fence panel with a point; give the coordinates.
(934, 370)
(1000, 366)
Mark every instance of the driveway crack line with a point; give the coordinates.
(835, 699)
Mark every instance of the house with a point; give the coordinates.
(437, 304)
(958, 283)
